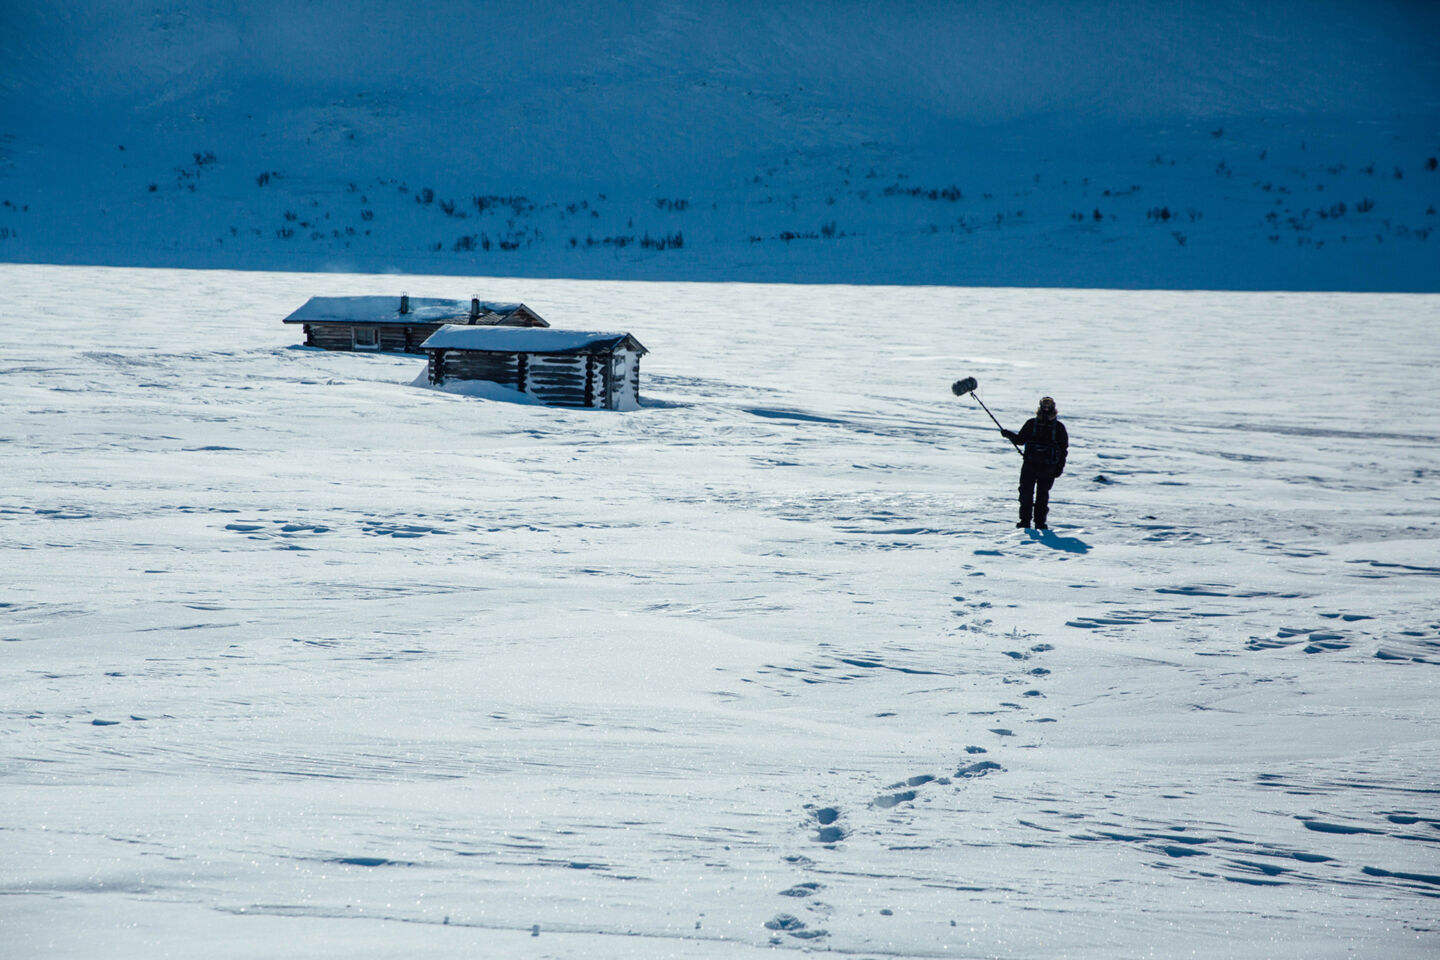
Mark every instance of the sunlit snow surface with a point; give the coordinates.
(303, 659)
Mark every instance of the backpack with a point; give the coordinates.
(1042, 447)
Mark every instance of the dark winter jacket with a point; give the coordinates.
(1046, 442)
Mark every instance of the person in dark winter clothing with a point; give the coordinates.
(1047, 444)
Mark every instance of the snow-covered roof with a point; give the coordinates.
(456, 336)
(387, 310)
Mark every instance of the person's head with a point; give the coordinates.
(1046, 410)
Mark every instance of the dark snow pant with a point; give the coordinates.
(1036, 479)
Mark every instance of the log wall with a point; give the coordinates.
(501, 368)
(394, 338)
(562, 381)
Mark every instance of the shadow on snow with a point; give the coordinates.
(1055, 542)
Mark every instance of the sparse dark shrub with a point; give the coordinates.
(951, 193)
(1365, 205)
(447, 207)
(284, 233)
(1097, 216)
(1077, 216)
(678, 206)
(291, 216)
(1399, 174)
(669, 241)
(1179, 237)
(425, 196)
(367, 215)
(261, 179)
(1217, 134)
(1432, 164)
(204, 159)
(465, 244)
(828, 230)
(519, 205)
(154, 187)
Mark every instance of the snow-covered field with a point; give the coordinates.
(302, 660)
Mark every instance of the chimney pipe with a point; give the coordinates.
(474, 309)
(404, 303)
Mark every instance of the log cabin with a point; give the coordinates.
(388, 325)
(561, 368)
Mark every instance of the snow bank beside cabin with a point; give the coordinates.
(479, 389)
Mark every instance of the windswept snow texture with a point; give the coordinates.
(300, 659)
(1229, 144)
